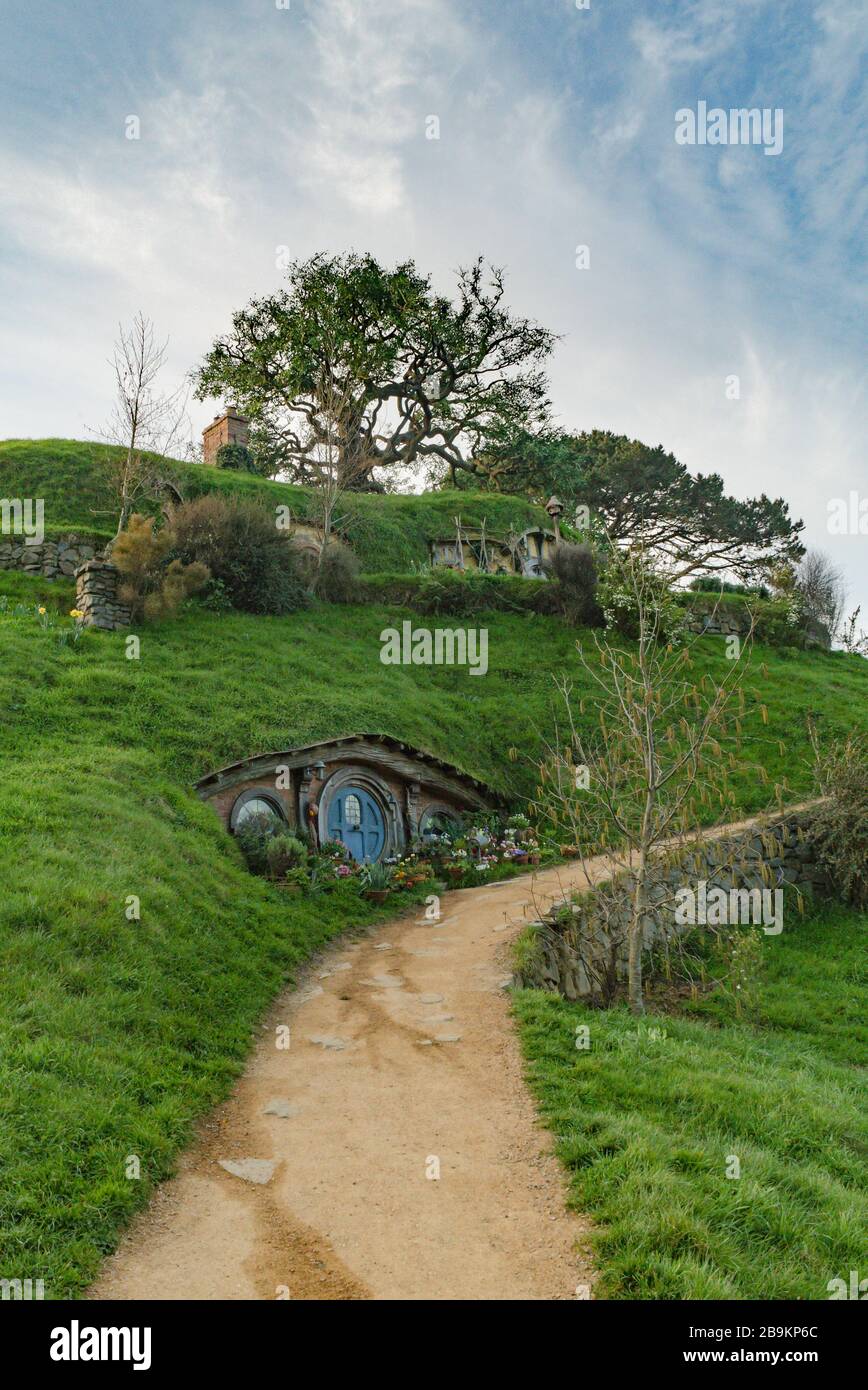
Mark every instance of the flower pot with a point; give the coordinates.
(534, 858)
(376, 895)
(520, 858)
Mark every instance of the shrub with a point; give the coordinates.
(629, 575)
(283, 853)
(840, 827)
(236, 456)
(465, 593)
(461, 593)
(333, 575)
(152, 588)
(243, 548)
(574, 570)
(777, 625)
(254, 837)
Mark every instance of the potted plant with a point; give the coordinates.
(377, 882)
(296, 881)
(333, 849)
(518, 826)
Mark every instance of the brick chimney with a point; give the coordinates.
(228, 428)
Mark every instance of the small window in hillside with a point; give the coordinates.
(256, 806)
(353, 812)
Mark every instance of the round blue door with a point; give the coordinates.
(357, 821)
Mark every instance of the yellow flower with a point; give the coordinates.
(75, 613)
(41, 612)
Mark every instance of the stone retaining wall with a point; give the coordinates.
(96, 596)
(726, 620)
(724, 623)
(579, 950)
(52, 559)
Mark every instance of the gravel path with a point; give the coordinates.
(318, 1177)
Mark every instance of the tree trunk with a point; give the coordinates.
(634, 959)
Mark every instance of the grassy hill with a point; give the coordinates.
(388, 532)
(647, 1118)
(116, 1035)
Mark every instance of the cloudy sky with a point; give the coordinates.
(302, 124)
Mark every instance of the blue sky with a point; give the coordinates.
(305, 127)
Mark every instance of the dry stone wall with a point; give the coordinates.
(51, 559)
(72, 557)
(580, 950)
(96, 596)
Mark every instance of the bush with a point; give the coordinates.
(283, 853)
(840, 826)
(334, 575)
(574, 570)
(152, 588)
(254, 838)
(629, 576)
(243, 549)
(465, 593)
(775, 626)
(462, 593)
(236, 456)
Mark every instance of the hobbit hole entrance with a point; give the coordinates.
(358, 822)
(377, 795)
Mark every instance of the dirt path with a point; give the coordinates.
(402, 1057)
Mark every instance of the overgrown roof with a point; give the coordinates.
(396, 745)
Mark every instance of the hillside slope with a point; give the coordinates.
(116, 1034)
(647, 1120)
(388, 532)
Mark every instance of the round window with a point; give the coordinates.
(256, 809)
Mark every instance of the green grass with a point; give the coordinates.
(387, 532)
(646, 1124)
(116, 1035)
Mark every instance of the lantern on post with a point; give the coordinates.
(554, 507)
